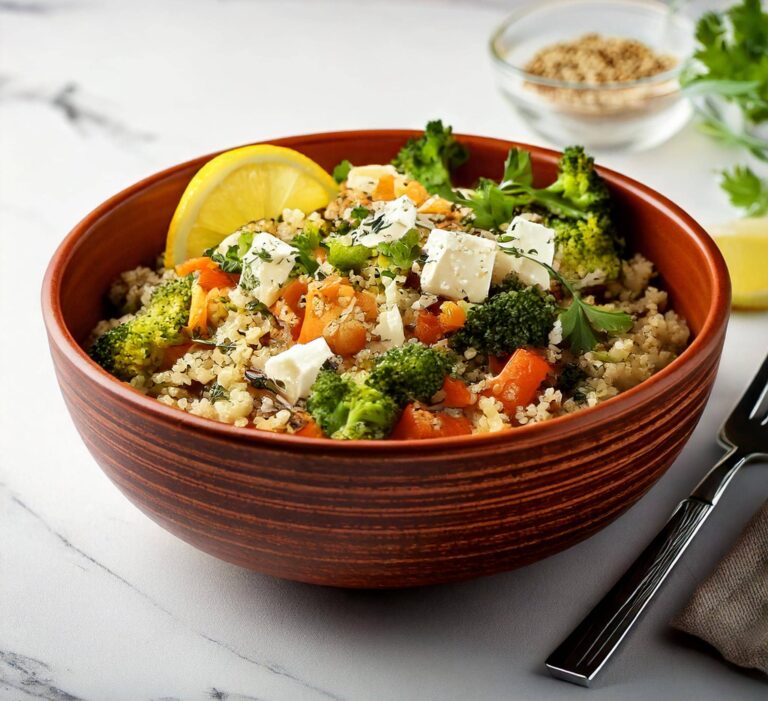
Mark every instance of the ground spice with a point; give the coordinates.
(597, 60)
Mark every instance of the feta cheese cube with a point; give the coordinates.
(365, 178)
(266, 267)
(458, 265)
(532, 239)
(295, 370)
(389, 224)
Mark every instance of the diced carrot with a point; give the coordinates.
(457, 394)
(516, 385)
(211, 278)
(198, 311)
(310, 430)
(172, 354)
(367, 302)
(452, 316)
(194, 265)
(420, 424)
(346, 337)
(292, 293)
(496, 363)
(428, 329)
(385, 188)
(416, 192)
(435, 205)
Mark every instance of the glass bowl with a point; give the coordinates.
(630, 115)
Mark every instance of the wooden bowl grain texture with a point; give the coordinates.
(381, 514)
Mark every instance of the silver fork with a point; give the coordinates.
(581, 656)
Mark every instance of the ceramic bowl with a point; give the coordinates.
(393, 513)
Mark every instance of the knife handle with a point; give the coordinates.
(582, 654)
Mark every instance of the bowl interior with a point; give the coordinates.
(531, 29)
(130, 229)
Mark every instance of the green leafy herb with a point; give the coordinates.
(232, 260)
(731, 58)
(360, 213)
(216, 392)
(404, 251)
(256, 307)
(306, 243)
(581, 322)
(746, 190)
(341, 171)
(259, 380)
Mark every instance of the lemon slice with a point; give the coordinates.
(744, 244)
(239, 186)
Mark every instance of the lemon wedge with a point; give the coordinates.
(239, 186)
(744, 245)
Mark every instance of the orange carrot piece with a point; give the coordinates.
(194, 265)
(385, 188)
(457, 394)
(345, 338)
(516, 385)
(452, 316)
(420, 424)
(367, 302)
(292, 293)
(310, 430)
(198, 311)
(428, 329)
(435, 205)
(211, 278)
(416, 192)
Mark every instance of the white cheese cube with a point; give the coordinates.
(389, 224)
(532, 239)
(266, 267)
(365, 178)
(295, 370)
(458, 265)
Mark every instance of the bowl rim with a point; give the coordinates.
(500, 61)
(585, 419)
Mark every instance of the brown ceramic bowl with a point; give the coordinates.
(394, 513)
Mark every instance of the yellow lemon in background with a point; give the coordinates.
(239, 186)
(744, 244)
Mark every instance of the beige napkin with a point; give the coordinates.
(730, 609)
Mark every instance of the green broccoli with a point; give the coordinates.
(413, 372)
(346, 410)
(584, 246)
(431, 157)
(135, 347)
(578, 181)
(507, 321)
(344, 256)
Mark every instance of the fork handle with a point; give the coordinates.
(581, 655)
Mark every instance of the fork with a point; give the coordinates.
(581, 656)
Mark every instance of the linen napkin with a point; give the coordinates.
(730, 609)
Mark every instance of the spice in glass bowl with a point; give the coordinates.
(594, 59)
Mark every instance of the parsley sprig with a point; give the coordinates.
(746, 190)
(581, 322)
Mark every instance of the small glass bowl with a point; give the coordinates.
(631, 115)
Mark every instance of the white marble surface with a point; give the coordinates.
(96, 601)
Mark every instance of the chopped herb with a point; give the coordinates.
(216, 392)
(341, 171)
(306, 243)
(360, 213)
(226, 347)
(232, 260)
(264, 254)
(404, 251)
(256, 307)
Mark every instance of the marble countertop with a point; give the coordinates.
(96, 601)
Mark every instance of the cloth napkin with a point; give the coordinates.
(730, 609)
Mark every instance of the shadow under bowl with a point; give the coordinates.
(391, 513)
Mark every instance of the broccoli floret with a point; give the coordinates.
(431, 157)
(413, 372)
(345, 256)
(578, 181)
(507, 321)
(584, 246)
(347, 410)
(135, 347)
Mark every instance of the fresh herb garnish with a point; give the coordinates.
(746, 190)
(403, 251)
(257, 307)
(341, 171)
(306, 244)
(581, 322)
(232, 260)
(263, 254)
(360, 213)
(216, 392)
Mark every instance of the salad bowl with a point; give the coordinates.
(395, 513)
